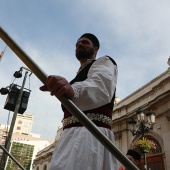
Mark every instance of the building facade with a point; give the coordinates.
(22, 142)
(154, 96)
(43, 158)
(23, 123)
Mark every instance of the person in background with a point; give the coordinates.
(93, 91)
(134, 157)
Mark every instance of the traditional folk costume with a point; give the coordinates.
(77, 148)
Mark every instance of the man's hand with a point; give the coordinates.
(58, 86)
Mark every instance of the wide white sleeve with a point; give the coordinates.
(98, 88)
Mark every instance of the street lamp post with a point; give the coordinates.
(17, 74)
(142, 129)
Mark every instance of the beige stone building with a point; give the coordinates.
(23, 123)
(154, 96)
(22, 134)
(3, 134)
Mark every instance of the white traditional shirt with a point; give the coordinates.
(99, 87)
(77, 148)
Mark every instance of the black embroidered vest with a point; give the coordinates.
(104, 110)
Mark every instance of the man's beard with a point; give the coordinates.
(84, 54)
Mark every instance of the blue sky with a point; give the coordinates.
(134, 33)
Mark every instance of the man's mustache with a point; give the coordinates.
(80, 47)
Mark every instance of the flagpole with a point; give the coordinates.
(68, 103)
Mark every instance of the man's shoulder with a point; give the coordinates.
(106, 57)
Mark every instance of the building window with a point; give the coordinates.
(45, 167)
(19, 122)
(18, 128)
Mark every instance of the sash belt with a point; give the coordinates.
(99, 119)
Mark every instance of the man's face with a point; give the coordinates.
(85, 49)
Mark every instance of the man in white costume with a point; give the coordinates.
(93, 91)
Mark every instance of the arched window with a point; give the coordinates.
(45, 167)
(154, 157)
(152, 151)
(37, 168)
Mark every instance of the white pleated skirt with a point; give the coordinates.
(78, 149)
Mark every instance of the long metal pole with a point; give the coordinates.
(68, 103)
(12, 157)
(8, 140)
(145, 161)
(144, 154)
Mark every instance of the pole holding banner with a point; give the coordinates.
(42, 76)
